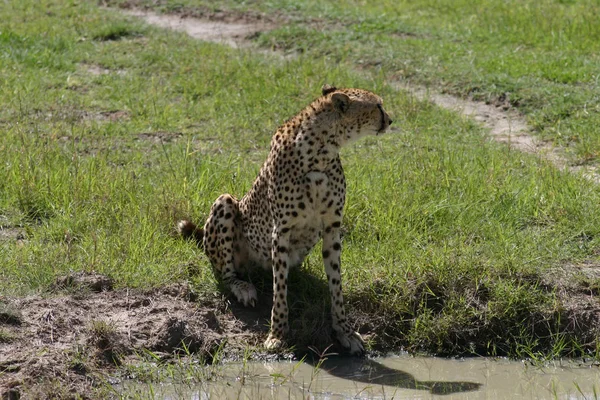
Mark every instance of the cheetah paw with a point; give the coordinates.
(352, 341)
(245, 293)
(273, 343)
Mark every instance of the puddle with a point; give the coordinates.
(403, 377)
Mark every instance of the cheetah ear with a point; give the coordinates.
(341, 102)
(326, 89)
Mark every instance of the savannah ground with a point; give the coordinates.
(112, 130)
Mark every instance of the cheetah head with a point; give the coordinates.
(360, 112)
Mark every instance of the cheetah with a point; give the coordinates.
(297, 199)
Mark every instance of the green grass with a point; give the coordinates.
(447, 235)
(538, 56)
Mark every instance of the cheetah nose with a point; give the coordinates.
(390, 122)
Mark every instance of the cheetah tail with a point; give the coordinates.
(187, 229)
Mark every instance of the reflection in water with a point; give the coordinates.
(371, 372)
(352, 378)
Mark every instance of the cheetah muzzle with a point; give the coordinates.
(297, 199)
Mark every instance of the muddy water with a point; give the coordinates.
(399, 377)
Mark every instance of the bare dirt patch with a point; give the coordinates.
(98, 70)
(12, 234)
(70, 342)
(67, 114)
(221, 30)
(112, 115)
(197, 12)
(159, 137)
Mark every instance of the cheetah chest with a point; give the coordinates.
(319, 202)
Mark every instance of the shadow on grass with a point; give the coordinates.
(309, 310)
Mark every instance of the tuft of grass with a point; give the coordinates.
(10, 315)
(104, 336)
(114, 30)
(79, 361)
(6, 336)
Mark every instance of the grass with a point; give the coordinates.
(103, 336)
(538, 56)
(448, 236)
(6, 337)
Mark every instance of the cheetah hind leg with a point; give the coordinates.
(220, 233)
(243, 291)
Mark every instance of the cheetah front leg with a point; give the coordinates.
(332, 249)
(222, 234)
(279, 313)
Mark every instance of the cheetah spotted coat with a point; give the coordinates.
(297, 198)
